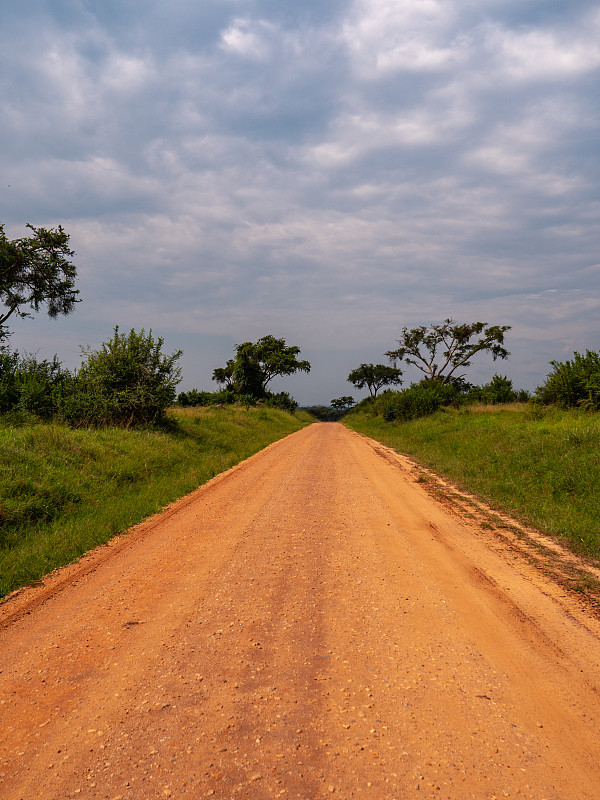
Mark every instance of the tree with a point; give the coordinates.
(440, 350)
(248, 377)
(223, 376)
(36, 271)
(256, 364)
(374, 376)
(342, 403)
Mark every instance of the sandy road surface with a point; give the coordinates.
(310, 625)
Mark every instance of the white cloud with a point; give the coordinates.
(127, 73)
(249, 38)
(353, 136)
(388, 35)
(546, 55)
(63, 74)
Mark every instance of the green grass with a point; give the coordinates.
(540, 465)
(64, 491)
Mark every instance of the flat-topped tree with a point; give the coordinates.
(35, 271)
(374, 377)
(439, 351)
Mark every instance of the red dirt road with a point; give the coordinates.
(310, 625)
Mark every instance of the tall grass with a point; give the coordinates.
(539, 464)
(64, 491)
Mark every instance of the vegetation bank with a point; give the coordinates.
(63, 490)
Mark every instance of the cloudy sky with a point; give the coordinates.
(328, 171)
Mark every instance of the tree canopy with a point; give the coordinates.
(439, 351)
(374, 377)
(256, 364)
(34, 271)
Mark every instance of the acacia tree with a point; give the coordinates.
(256, 364)
(374, 377)
(440, 350)
(36, 271)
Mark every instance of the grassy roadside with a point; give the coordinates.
(64, 491)
(540, 465)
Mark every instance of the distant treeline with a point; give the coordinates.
(128, 381)
(443, 351)
(427, 396)
(574, 383)
(224, 397)
(325, 413)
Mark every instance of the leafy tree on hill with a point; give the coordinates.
(36, 271)
(256, 364)
(439, 351)
(374, 377)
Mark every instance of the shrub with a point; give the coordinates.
(127, 381)
(41, 385)
(9, 394)
(282, 400)
(419, 400)
(573, 383)
(31, 386)
(226, 397)
(498, 390)
(195, 398)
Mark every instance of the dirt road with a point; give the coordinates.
(310, 625)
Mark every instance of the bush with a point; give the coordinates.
(227, 397)
(498, 390)
(42, 386)
(367, 403)
(419, 400)
(573, 383)
(195, 398)
(9, 394)
(283, 401)
(128, 381)
(31, 386)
